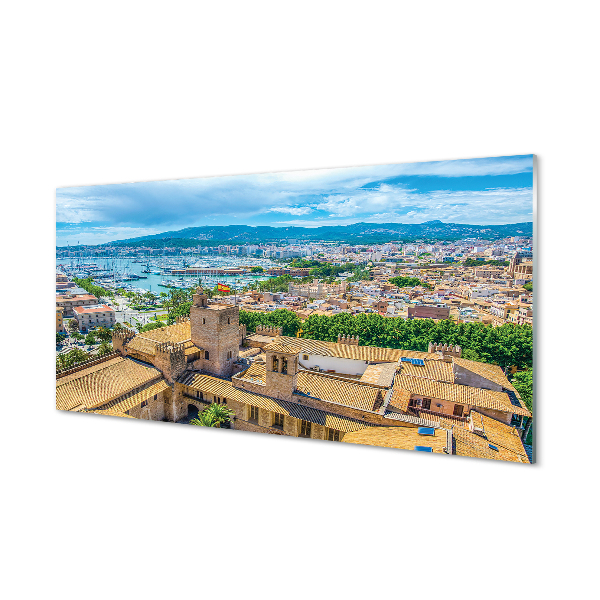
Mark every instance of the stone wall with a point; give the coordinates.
(170, 360)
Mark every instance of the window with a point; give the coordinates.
(254, 413)
(203, 321)
(224, 400)
(144, 403)
(333, 435)
(206, 355)
(284, 365)
(458, 410)
(228, 320)
(275, 364)
(426, 404)
(305, 357)
(278, 420)
(229, 355)
(305, 427)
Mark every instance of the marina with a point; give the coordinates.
(161, 273)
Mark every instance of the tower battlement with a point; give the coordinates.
(445, 349)
(269, 331)
(347, 339)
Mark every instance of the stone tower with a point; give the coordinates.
(169, 358)
(215, 330)
(281, 374)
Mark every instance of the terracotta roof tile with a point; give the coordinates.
(122, 405)
(405, 438)
(492, 372)
(256, 373)
(366, 353)
(146, 342)
(225, 389)
(437, 370)
(502, 436)
(102, 383)
(460, 394)
(356, 395)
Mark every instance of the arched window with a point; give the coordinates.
(201, 395)
(284, 365)
(275, 364)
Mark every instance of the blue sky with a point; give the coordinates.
(482, 191)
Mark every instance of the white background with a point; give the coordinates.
(119, 91)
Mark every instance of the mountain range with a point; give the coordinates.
(365, 233)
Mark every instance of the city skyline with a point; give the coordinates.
(483, 191)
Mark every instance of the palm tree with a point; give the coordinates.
(104, 348)
(213, 416)
(204, 420)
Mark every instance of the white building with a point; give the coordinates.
(95, 315)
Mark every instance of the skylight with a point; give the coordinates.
(413, 361)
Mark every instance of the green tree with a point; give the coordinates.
(71, 359)
(257, 270)
(529, 286)
(507, 345)
(103, 334)
(523, 382)
(72, 325)
(153, 325)
(60, 338)
(90, 340)
(282, 317)
(403, 282)
(104, 348)
(214, 415)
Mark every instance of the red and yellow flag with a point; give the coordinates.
(221, 287)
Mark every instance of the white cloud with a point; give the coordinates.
(341, 196)
(292, 210)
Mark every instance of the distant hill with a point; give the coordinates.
(365, 233)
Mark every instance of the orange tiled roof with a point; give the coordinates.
(502, 436)
(92, 309)
(307, 346)
(437, 370)
(492, 372)
(460, 394)
(101, 383)
(357, 395)
(146, 342)
(123, 404)
(404, 438)
(256, 373)
(224, 389)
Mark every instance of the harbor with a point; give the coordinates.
(139, 274)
